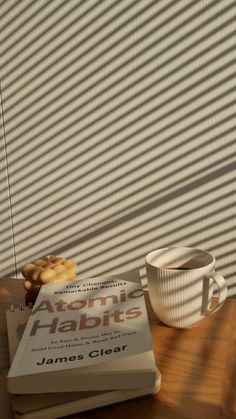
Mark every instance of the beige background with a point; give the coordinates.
(117, 131)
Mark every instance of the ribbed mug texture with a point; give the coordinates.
(176, 297)
(179, 297)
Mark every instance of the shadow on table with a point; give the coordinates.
(220, 352)
(144, 407)
(212, 372)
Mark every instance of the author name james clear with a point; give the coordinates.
(93, 354)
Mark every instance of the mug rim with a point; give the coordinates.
(179, 269)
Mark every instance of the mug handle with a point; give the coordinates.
(222, 290)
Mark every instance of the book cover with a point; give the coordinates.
(52, 405)
(86, 335)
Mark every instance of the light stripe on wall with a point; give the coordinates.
(118, 131)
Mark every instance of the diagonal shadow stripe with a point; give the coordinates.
(16, 16)
(155, 203)
(153, 71)
(103, 267)
(167, 233)
(196, 136)
(93, 61)
(113, 109)
(153, 171)
(20, 25)
(129, 172)
(145, 241)
(101, 153)
(78, 34)
(108, 225)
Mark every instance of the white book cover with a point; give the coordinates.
(52, 405)
(83, 323)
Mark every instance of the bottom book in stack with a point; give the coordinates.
(54, 405)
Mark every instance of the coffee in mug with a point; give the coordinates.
(181, 284)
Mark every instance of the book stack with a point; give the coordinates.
(85, 344)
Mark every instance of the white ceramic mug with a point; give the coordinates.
(181, 283)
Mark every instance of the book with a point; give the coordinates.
(86, 335)
(53, 405)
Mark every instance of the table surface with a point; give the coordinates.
(198, 367)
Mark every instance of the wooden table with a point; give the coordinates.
(198, 367)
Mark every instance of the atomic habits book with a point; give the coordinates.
(53, 405)
(86, 335)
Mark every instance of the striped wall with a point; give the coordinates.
(117, 131)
